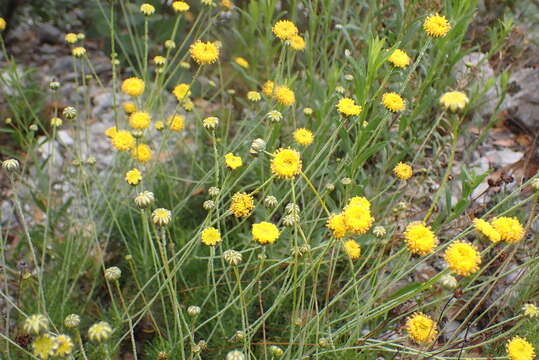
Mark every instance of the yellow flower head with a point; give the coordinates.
(142, 153)
(462, 258)
(176, 123)
(133, 177)
(286, 163)
(129, 107)
(65, 346)
(242, 205)
(509, 228)
(308, 111)
(454, 100)
(399, 58)
(358, 218)
(403, 171)
(161, 217)
(110, 132)
(284, 95)
(210, 122)
(241, 62)
(265, 232)
(436, 25)
(233, 162)
(285, 29)
(337, 225)
(36, 324)
(487, 230)
(421, 328)
(297, 42)
(133, 86)
(253, 96)
(210, 236)
(348, 107)
(140, 120)
(303, 137)
(352, 249)
(100, 331)
(181, 91)
(159, 60)
(520, 349)
(44, 346)
(360, 201)
(71, 38)
(3, 24)
(204, 52)
(227, 4)
(56, 122)
(530, 310)
(267, 88)
(123, 140)
(420, 239)
(78, 51)
(180, 6)
(147, 9)
(393, 102)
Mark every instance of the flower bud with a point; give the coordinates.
(270, 201)
(193, 310)
(213, 191)
(232, 257)
(10, 164)
(144, 199)
(208, 205)
(113, 273)
(54, 85)
(257, 146)
(72, 321)
(69, 112)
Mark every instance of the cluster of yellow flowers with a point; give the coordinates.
(508, 229)
(287, 31)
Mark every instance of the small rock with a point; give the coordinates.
(504, 157)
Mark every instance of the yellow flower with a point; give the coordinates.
(509, 228)
(530, 310)
(454, 100)
(348, 107)
(303, 137)
(159, 125)
(285, 29)
(421, 328)
(133, 86)
(210, 122)
(129, 107)
(228, 4)
(253, 96)
(275, 116)
(233, 162)
(242, 205)
(403, 171)
(181, 91)
(188, 105)
(520, 349)
(140, 120)
(78, 51)
(71, 38)
(65, 345)
(284, 95)
(267, 88)
(161, 216)
(420, 239)
(133, 177)
(204, 52)
(142, 153)
(399, 58)
(308, 111)
(297, 43)
(265, 232)
(159, 60)
(110, 132)
(3, 24)
(56, 122)
(484, 228)
(358, 218)
(123, 140)
(393, 102)
(337, 225)
(147, 9)
(100, 331)
(180, 6)
(361, 201)
(436, 25)
(286, 163)
(176, 123)
(352, 249)
(462, 258)
(241, 62)
(44, 346)
(210, 236)
(36, 324)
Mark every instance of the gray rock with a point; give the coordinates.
(523, 97)
(504, 157)
(49, 34)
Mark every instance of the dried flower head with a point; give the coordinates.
(147, 9)
(208, 205)
(69, 112)
(210, 123)
(257, 146)
(270, 201)
(254, 96)
(379, 231)
(530, 310)
(274, 116)
(100, 331)
(78, 51)
(113, 273)
(214, 191)
(193, 310)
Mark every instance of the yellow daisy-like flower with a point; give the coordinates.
(147, 9)
(352, 249)
(265, 232)
(100, 331)
(133, 177)
(399, 58)
(242, 205)
(159, 60)
(44, 346)
(303, 137)
(210, 122)
(421, 328)
(176, 123)
(129, 107)
(161, 217)
(123, 140)
(227, 4)
(420, 239)
(71, 38)
(3, 24)
(181, 91)
(358, 218)
(242, 62)
(267, 88)
(110, 132)
(159, 125)
(180, 6)
(297, 42)
(133, 86)
(487, 230)
(403, 171)
(142, 153)
(337, 225)
(530, 310)
(393, 102)
(233, 162)
(65, 346)
(348, 107)
(436, 25)
(254, 96)
(210, 236)
(78, 51)
(360, 201)
(462, 258)
(286, 163)
(520, 349)
(204, 52)
(140, 120)
(285, 29)
(454, 100)
(509, 229)
(284, 95)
